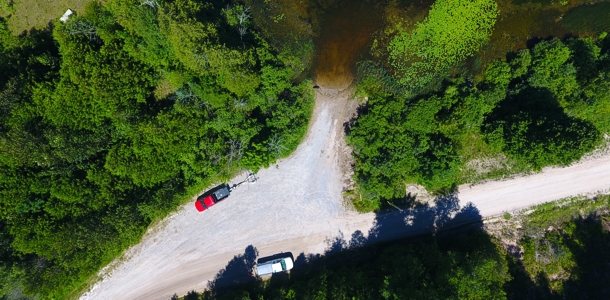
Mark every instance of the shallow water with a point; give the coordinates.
(347, 29)
(345, 36)
(522, 24)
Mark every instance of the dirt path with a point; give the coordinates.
(584, 178)
(297, 207)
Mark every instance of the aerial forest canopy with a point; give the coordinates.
(437, 115)
(112, 119)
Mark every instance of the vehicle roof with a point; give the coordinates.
(277, 267)
(264, 269)
(199, 206)
(289, 263)
(274, 266)
(212, 196)
(209, 201)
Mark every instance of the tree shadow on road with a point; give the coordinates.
(446, 213)
(238, 271)
(438, 251)
(423, 222)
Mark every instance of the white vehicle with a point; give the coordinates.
(274, 266)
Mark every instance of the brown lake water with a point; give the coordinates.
(346, 33)
(347, 29)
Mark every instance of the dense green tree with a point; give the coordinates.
(552, 69)
(110, 120)
(397, 141)
(139, 29)
(447, 272)
(531, 126)
(540, 107)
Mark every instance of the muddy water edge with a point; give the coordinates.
(339, 33)
(346, 32)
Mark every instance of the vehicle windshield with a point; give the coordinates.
(283, 263)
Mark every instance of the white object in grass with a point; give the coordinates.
(66, 15)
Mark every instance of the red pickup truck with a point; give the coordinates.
(220, 192)
(211, 197)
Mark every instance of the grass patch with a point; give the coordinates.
(564, 211)
(28, 14)
(6, 8)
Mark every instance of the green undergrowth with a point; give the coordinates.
(565, 250)
(563, 211)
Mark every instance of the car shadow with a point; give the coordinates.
(212, 190)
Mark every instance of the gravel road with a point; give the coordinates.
(297, 207)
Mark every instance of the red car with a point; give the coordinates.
(211, 197)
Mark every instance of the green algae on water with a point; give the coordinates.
(588, 19)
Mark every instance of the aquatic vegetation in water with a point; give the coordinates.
(532, 1)
(453, 31)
